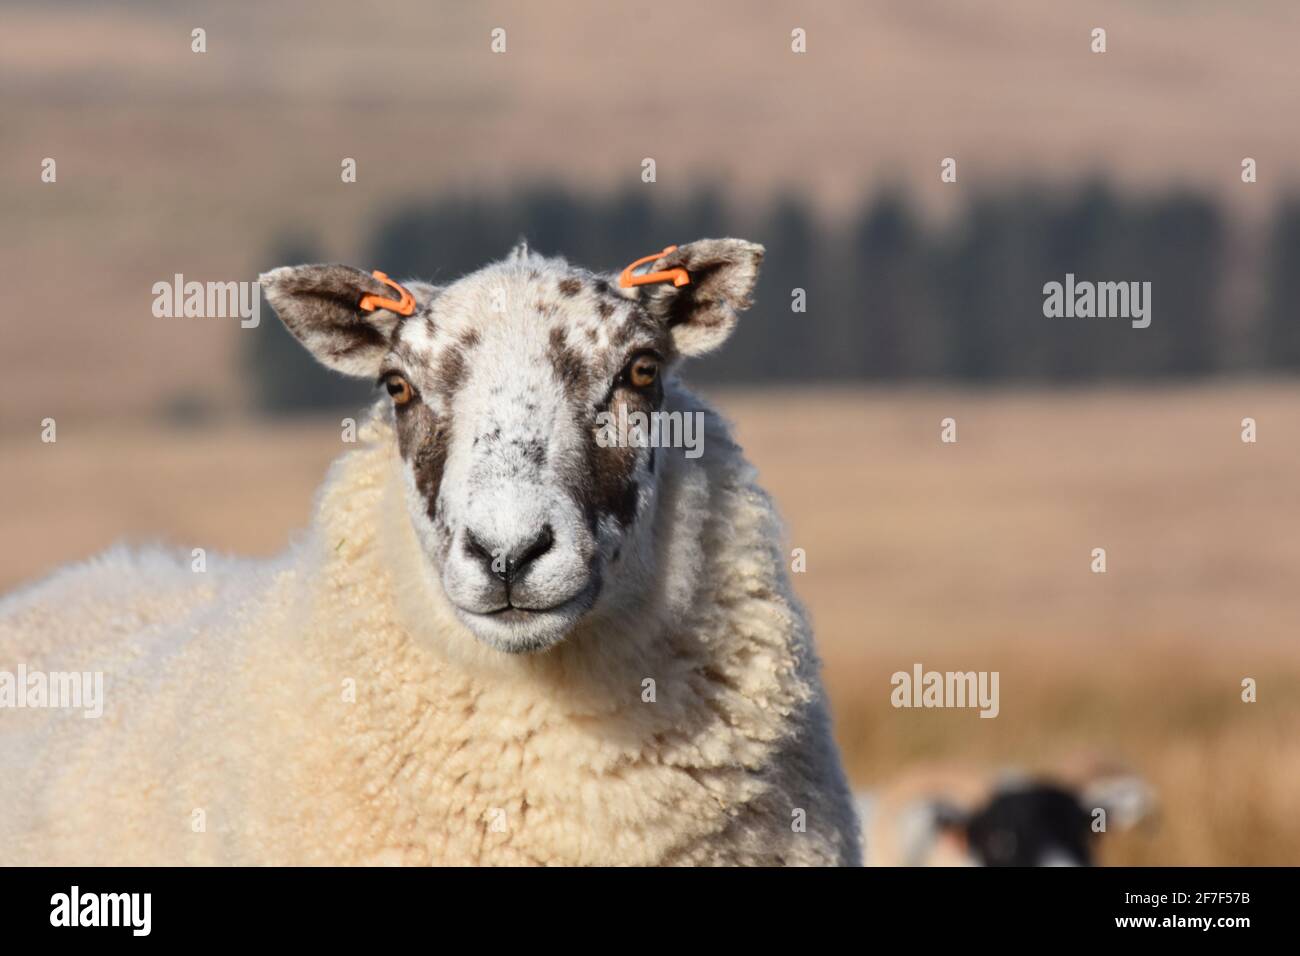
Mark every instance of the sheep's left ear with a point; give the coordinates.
(321, 306)
(702, 313)
(1127, 799)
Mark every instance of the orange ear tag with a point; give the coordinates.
(403, 306)
(679, 277)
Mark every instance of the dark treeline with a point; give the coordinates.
(890, 297)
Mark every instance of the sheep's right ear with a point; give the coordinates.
(321, 306)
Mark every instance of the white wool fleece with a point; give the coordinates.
(328, 708)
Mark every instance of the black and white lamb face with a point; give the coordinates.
(526, 514)
(1038, 822)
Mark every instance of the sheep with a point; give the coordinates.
(503, 640)
(957, 815)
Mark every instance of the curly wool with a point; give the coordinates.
(327, 708)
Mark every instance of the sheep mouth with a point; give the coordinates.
(510, 612)
(517, 629)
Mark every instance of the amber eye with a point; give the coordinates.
(399, 388)
(643, 371)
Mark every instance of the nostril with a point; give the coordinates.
(478, 551)
(475, 548)
(534, 550)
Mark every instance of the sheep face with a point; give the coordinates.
(1022, 821)
(532, 513)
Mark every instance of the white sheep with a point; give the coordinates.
(506, 639)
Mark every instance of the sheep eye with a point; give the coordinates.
(399, 388)
(643, 371)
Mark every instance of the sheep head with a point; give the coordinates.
(530, 510)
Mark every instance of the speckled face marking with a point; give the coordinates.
(497, 381)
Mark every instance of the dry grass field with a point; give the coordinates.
(973, 555)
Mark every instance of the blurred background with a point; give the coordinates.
(923, 302)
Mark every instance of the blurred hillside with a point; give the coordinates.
(203, 164)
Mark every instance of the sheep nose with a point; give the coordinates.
(508, 563)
